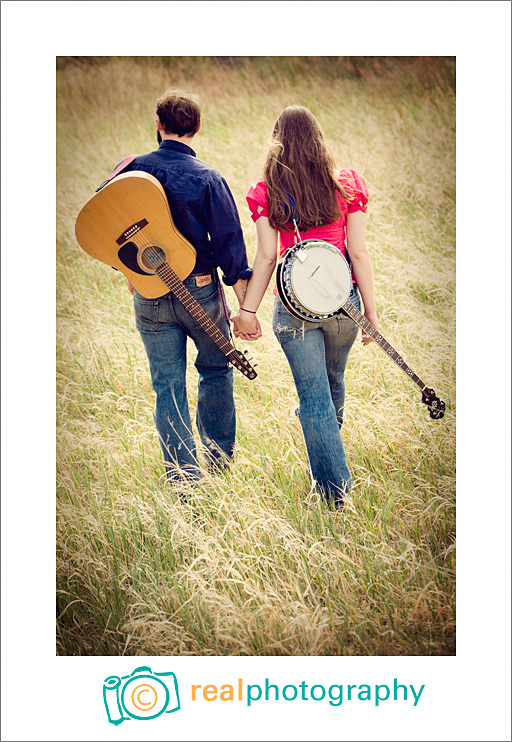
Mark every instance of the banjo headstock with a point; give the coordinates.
(436, 406)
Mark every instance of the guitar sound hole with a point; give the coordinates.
(152, 257)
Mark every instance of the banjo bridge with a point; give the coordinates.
(302, 254)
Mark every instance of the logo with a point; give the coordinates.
(142, 695)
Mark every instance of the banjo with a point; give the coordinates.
(314, 282)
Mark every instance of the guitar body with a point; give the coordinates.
(128, 225)
(127, 217)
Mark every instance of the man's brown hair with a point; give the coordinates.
(179, 112)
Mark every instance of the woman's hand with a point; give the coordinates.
(372, 319)
(246, 326)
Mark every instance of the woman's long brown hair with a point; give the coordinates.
(299, 164)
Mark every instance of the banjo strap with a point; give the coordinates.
(295, 217)
(295, 220)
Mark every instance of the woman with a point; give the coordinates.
(299, 171)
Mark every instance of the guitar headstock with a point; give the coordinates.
(436, 406)
(240, 362)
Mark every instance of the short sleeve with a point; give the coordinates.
(258, 200)
(356, 190)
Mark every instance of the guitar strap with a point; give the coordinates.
(122, 165)
(224, 304)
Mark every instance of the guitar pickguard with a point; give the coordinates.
(128, 257)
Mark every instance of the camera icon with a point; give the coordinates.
(142, 695)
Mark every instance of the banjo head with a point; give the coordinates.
(314, 280)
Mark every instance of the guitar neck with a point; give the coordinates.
(235, 357)
(171, 280)
(361, 320)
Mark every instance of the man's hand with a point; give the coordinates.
(246, 326)
(130, 286)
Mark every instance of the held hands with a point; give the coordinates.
(372, 318)
(246, 326)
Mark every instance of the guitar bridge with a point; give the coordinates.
(131, 231)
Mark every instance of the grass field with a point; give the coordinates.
(254, 563)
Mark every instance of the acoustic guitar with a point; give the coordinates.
(127, 224)
(314, 282)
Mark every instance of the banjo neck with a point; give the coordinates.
(375, 335)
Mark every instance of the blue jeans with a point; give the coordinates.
(164, 325)
(317, 353)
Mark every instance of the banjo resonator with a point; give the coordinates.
(316, 279)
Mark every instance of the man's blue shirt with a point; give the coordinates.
(202, 208)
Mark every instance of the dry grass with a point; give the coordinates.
(255, 564)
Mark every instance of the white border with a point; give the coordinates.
(468, 695)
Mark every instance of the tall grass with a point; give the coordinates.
(254, 563)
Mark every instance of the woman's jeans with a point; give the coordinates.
(317, 353)
(164, 325)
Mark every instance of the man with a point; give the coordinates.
(204, 211)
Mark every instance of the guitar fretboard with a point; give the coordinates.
(171, 280)
(367, 326)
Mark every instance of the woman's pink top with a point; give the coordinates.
(357, 193)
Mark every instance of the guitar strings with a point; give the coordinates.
(146, 247)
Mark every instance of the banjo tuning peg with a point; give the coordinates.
(436, 407)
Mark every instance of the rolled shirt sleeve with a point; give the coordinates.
(226, 238)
